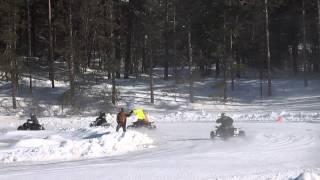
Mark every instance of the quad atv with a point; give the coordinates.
(99, 122)
(226, 132)
(149, 125)
(29, 125)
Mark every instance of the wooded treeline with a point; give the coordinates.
(130, 37)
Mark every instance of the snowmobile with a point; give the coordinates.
(29, 125)
(226, 132)
(149, 125)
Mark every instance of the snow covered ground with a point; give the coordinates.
(282, 137)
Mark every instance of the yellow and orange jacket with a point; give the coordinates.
(141, 115)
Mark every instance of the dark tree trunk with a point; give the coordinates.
(144, 61)
(14, 79)
(190, 54)
(128, 60)
(232, 59)
(318, 62)
(114, 93)
(238, 64)
(71, 60)
(305, 62)
(12, 58)
(50, 55)
(268, 48)
(150, 56)
(261, 82)
(166, 43)
(295, 59)
(174, 42)
(225, 87)
(217, 68)
(29, 46)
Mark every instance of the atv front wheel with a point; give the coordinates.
(212, 134)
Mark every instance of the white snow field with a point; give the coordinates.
(282, 139)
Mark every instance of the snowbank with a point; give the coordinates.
(81, 144)
(307, 176)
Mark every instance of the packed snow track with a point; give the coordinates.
(183, 150)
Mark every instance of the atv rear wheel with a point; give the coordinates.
(242, 133)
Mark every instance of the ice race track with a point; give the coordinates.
(175, 150)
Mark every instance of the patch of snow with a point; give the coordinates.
(308, 176)
(85, 143)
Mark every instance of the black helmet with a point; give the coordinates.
(102, 114)
(33, 116)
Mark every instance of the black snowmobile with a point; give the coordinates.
(30, 125)
(137, 124)
(226, 132)
(100, 121)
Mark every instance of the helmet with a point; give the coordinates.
(102, 114)
(33, 116)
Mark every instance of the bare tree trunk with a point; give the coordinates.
(225, 88)
(13, 61)
(144, 60)
(238, 63)
(71, 60)
(217, 68)
(128, 58)
(305, 68)
(231, 53)
(190, 52)
(29, 46)
(318, 63)
(294, 59)
(116, 36)
(86, 36)
(50, 57)
(13, 66)
(115, 54)
(166, 46)
(261, 82)
(268, 47)
(174, 43)
(150, 72)
(175, 70)
(114, 93)
(151, 82)
(232, 59)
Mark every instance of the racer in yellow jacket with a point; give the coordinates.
(142, 117)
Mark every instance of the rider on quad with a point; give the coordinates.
(143, 120)
(226, 129)
(142, 117)
(31, 124)
(34, 119)
(225, 121)
(100, 121)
